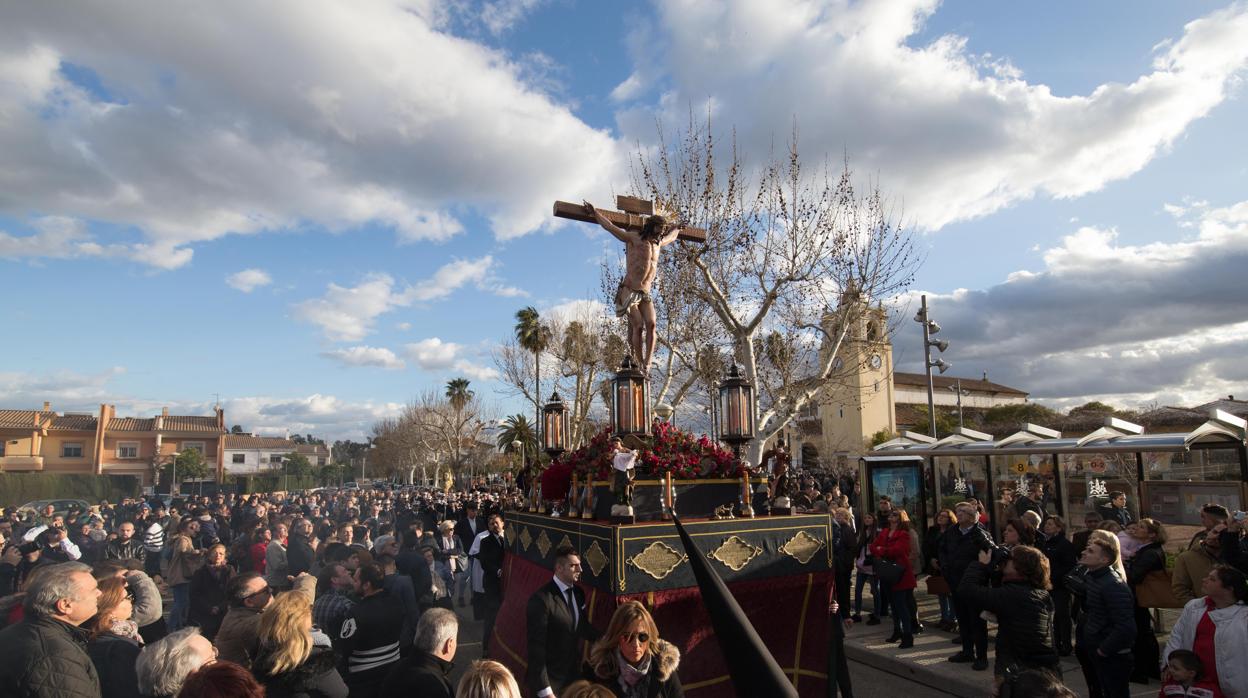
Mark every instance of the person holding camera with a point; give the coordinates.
(1022, 604)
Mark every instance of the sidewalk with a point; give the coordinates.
(928, 661)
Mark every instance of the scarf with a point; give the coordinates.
(633, 679)
(127, 629)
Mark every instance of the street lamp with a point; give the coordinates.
(554, 426)
(736, 426)
(957, 389)
(630, 401)
(664, 411)
(930, 328)
(736, 410)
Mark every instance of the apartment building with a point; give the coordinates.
(105, 444)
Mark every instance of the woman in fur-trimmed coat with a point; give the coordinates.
(631, 660)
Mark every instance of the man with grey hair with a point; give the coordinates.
(45, 655)
(427, 671)
(163, 666)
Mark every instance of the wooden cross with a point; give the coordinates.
(631, 216)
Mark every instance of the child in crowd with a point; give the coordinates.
(1130, 541)
(1184, 678)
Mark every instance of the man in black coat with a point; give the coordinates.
(491, 550)
(1116, 510)
(44, 656)
(299, 552)
(368, 642)
(556, 622)
(427, 672)
(959, 546)
(469, 526)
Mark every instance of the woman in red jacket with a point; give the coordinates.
(894, 543)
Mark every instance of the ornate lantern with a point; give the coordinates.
(555, 426)
(630, 401)
(736, 410)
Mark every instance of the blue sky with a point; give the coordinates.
(1076, 172)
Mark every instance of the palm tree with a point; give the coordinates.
(533, 336)
(517, 428)
(458, 393)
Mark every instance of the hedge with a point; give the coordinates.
(17, 489)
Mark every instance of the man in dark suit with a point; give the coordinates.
(468, 527)
(491, 549)
(557, 621)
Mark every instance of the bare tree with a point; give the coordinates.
(433, 431)
(793, 262)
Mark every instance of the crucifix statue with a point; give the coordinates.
(644, 234)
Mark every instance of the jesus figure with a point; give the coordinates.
(632, 298)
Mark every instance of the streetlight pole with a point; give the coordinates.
(930, 328)
(958, 391)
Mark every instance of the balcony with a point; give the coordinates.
(13, 464)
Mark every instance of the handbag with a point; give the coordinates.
(888, 571)
(1155, 591)
(937, 584)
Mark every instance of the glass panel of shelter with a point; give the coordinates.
(1088, 480)
(1013, 477)
(957, 479)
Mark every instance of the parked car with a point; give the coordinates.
(350, 486)
(59, 506)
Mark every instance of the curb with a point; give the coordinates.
(918, 674)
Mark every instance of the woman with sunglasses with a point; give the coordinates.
(114, 643)
(631, 660)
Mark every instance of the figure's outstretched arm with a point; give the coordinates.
(615, 230)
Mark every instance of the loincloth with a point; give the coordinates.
(626, 299)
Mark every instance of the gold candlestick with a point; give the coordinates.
(667, 497)
(747, 508)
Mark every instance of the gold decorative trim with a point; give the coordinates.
(658, 560)
(597, 559)
(566, 541)
(802, 547)
(525, 539)
(509, 533)
(735, 553)
(543, 543)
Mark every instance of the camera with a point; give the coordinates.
(1000, 553)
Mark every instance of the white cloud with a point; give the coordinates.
(585, 311)
(249, 280)
(432, 354)
(378, 357)
(475, 371)
(499, 16)
(348, 313)
(259, 117)
(957, 135)
(1105, 319)
(403, 326)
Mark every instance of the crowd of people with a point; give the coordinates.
(361, 593)
(331, 594)
(1052, 594)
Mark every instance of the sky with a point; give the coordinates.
(314, 211)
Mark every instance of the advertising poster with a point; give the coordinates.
(901, 484)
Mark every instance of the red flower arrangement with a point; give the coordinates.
(670, 450)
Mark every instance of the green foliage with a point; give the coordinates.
(946, 422)
(881, 436)
(296, 465)
(1017, 414)
(1094, 406)
(518, 428)
(191, 465)
(236, 429)
(331, 473)
(458, 393)
(18, 488)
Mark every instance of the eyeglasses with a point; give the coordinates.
(643, 638)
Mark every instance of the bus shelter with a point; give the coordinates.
(1166, 476)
